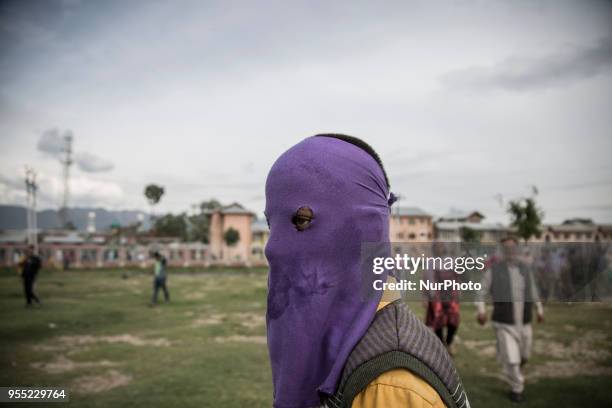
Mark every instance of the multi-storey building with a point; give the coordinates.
(410, 224)
(456, 226)
(233, 217)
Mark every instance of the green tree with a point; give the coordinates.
(526, 217)
(199, 226)
(469, 235)
(153, 193)
(171, 225)
(231, 237)
(211, 204)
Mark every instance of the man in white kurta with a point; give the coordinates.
(513, 339)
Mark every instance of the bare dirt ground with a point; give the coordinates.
(92, 384)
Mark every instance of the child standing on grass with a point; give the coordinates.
(159, 278)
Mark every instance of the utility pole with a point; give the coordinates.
(66, 160)
(31, 189)
(397, 204)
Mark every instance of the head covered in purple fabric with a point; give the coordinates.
(315, 312)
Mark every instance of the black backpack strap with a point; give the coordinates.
(363, 375)
(397, 339)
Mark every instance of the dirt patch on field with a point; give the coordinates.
(208, 320)
(496, 373)
(584, 348)
(260, 284)
(62, 364)
(194, 296)
(93, 384)
(544, 334)
(584, 355)
(251, 320)
(566, 369)
(486, 348)
(242, 339)
(119, 338)
(248, 320)
(70, 342)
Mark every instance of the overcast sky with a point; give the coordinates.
(465, 101)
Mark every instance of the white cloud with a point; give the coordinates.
(91, 163)
(84, 191)
(523, 73)
(53, 143)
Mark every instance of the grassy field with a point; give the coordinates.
(97, 336)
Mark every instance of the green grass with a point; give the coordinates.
(206, 348)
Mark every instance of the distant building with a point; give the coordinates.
(62, 248)
(236, 217)
(452, 227)
(260, 232)
(574, 230)
(606, 232)
(129, 246)
(12, 246)
(460, 216)
(410, 224)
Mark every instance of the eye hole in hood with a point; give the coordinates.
(302, 219)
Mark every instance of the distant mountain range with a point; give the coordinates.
(14, 217)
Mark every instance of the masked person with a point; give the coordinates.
(329, 345)
(512, 286)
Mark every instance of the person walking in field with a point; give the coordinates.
(29, 268)
(443, 306)
(159, 277)
(511, 284)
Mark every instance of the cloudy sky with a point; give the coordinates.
(469, 103)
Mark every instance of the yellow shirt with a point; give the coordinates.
(398, 388)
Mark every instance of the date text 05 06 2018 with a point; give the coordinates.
(33, 394)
